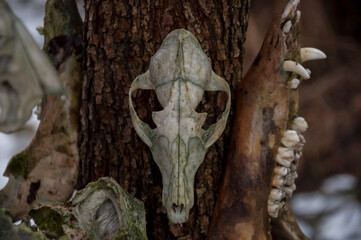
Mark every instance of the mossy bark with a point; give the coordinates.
(120, 37)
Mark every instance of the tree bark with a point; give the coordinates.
(120, 38)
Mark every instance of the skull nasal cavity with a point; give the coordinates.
(145, 102)
(178, 208)
(212, 100)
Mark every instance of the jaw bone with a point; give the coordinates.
(309, 53)
(292, 66)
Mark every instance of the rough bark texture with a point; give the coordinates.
(120, 38)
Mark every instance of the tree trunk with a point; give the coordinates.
(120, 38)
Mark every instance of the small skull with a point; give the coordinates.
(179, 72)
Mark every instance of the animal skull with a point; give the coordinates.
(179, 72)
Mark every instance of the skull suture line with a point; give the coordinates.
(179, 72)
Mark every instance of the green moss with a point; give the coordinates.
(48, 220)
(19, 165)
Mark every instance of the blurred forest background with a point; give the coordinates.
(328, 196)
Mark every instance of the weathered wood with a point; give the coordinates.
(120, 38)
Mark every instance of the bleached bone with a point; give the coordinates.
(287, 27)
(294, 83)
(299, 124)
(309, 53)
(179, 72)
(290, 8)
(290, 138)
(281, 171)
(292, 66)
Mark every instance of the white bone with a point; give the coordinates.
(294, 83)
(290, 8)
(287, 27)
(179, 72)
(308, 71)
(299, 124)
(276, 195)
(309, 53)
(278, 181)
(290, 138)
(281, 171)
(292, 66)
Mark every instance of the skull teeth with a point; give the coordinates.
(290, 138)
(273, 208)
(294, 83)
(298, 15)
(309, 53)
(292, 66)
(278, 181)
(282, 171)
(285, 156)
(276, 195)
(299, 124)
(287, 27)
(290, 8)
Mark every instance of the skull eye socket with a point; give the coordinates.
(207, 103)
(148, 99)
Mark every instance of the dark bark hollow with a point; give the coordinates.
(120, 38)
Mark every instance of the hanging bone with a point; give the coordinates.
(25, 72)
(179, 72)
(266, 140)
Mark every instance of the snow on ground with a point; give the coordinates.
(332, 212)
